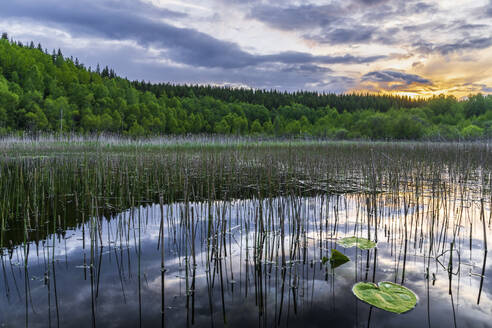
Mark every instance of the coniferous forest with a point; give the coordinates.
(43, 92)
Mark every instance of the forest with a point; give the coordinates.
(50, 93)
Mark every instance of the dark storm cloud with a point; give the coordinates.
(386, 76)
(183, 45)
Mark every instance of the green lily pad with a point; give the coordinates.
(386, 295)
(361, 243)
(324, 260)
(337, 258)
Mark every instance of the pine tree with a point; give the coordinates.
(105, 72)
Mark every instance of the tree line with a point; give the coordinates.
(43, 92)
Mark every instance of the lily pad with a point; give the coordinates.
(386, 296)
(324, 260)
(361, 243)
(337, 258)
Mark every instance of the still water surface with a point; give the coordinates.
(254, 263)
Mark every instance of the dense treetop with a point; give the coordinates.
(42, 92)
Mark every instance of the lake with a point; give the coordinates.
(239, 234)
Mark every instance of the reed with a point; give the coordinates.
(240, 220)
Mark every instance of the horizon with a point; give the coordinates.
(405, 48)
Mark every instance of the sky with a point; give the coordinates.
(407, 47)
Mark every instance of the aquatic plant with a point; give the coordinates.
(237, 221)
(386, 295)
(361, 243)
(337, 258)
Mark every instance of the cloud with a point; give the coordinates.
(182, 45)
(120, 23)
(307, 68)
(293, 57)
(443, 48)
(298, 17)
(470, 26)
(480, 43)
(398, 9)
(475, 87)
(488, 9)
(387, 76)
(350, 22)
(422, 7)
(358, 34)
(288, 45)
(371, 2)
